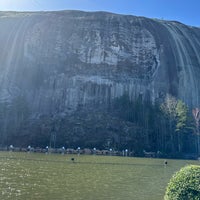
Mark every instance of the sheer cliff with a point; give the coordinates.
(54, 63)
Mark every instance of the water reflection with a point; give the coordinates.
(36, 176)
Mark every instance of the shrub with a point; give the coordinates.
(185, 184)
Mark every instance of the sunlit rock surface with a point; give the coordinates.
(55, 62)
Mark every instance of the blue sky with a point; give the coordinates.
(186, 11)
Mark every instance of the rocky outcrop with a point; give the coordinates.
(53, 63)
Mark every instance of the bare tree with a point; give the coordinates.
(196, 114)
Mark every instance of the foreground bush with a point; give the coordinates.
(185, 184)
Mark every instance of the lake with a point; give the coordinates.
(27, 176)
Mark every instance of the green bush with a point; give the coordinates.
(185, 184)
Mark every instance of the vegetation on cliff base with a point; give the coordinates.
(166, 128)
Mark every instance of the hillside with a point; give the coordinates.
(67, 78)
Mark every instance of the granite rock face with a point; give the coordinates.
(55, 62)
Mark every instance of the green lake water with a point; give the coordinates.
(27, 176)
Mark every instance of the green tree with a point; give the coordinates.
(179, 120)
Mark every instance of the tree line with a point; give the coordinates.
(169, 127)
